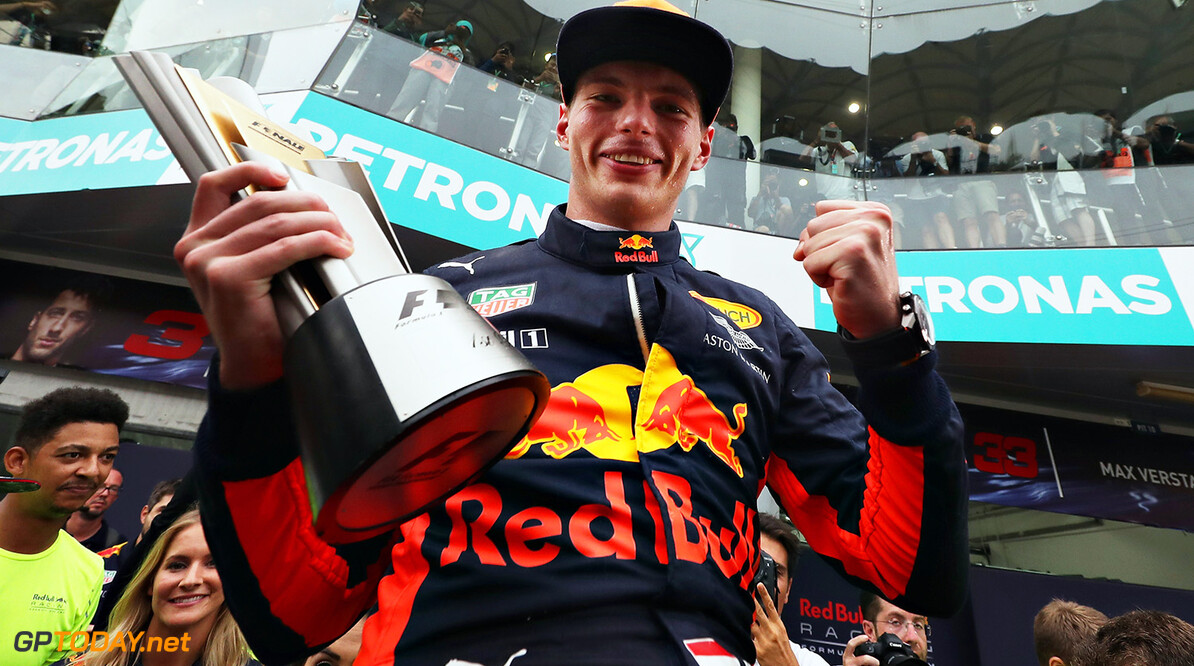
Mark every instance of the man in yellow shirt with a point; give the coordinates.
(66, 441)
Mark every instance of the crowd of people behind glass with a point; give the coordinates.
(1055, 179)
(68, 26)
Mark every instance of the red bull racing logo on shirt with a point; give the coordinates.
(496, 534)
(638, 246)
(659, 516)
(594, 414)
(492, 301)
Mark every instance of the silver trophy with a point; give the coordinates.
(402, 393)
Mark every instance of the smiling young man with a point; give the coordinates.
(67, 441)
(622, 529)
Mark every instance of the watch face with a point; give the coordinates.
(926, 322)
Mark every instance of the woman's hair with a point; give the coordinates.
(225, 644)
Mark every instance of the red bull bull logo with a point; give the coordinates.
(572, 420)
(635, 242)
(681, 413)
(638, 250)
(593, 413)
(590, 413)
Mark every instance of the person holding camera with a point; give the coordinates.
(1057, 148)
(974, 199)
(769, 209)
(1167, 147)
(501, 63)
(409, 24)
(431, 75)
(831, 158)
(772, 645)
(881, 621)
(927, 205)
(1166, 142)
(541, 116)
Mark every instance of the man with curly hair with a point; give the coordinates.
(66, 441)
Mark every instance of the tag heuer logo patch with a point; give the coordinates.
(492, 301)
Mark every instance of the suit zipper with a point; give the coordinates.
(636, 313)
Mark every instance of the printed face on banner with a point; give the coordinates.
(53, 330)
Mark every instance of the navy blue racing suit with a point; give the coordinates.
(622, 528)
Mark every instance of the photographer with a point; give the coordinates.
(1057, 148)
(1173, 187)
(431, 74)
(541, 116)
(771, 210)
(927, 205)
(879, 617)
(1166, 142)
(501, 63)
(831, 158)
(1023, 230)
(772, 645)
(974, 199)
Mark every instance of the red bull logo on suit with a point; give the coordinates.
(638, 250)
(635, 242)
(593, 413)
(488, 528)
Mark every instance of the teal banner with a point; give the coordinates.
(94, 151)
(430, 184)
(1132, 296)
(1080, 296)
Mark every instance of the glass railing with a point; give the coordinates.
(270, 62)
(390, 76)
(977, 124)
(104, 27)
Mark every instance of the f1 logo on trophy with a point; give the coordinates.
(386, 428)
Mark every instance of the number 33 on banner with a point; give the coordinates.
(1014, 456)
(186, 341)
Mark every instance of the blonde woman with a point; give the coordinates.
(177, 600)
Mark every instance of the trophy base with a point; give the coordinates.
(402, 394)
(442, 452)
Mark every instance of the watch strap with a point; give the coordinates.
(900, 346)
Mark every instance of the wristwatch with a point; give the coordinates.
(906, 344)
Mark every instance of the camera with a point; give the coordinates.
(831, 134)
(890, 651)
(964, 130)
(767, 576)
(1166, 133)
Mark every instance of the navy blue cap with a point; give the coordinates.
(648, 31)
